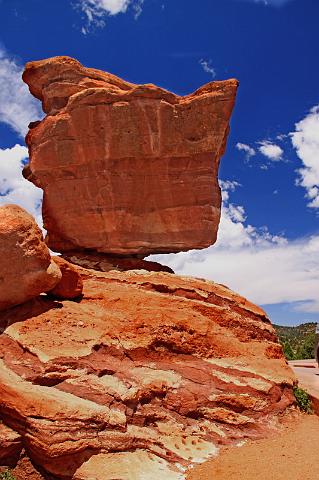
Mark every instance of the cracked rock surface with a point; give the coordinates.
(146, 374)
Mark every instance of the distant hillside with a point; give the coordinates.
(298, 342)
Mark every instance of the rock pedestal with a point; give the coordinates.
(147, 374)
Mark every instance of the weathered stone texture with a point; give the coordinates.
(164, 366)
(10, 445)
(70, 286)
(26, 269)
(126, 169)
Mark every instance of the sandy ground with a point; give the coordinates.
(290, 455)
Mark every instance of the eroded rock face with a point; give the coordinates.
(148, 373)
(126, 169)
(70, 286)
(10, 445)
(26, 269)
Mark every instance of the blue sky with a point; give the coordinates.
(268, 246)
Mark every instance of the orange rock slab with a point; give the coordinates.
(126, 169)
(148, 373)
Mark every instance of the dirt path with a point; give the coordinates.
(291, 455)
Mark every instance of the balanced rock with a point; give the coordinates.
(126, 169)
(147, 374)
(26, 268)
(70, 286)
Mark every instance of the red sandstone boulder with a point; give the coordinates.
(126, 169)
(70, 286)
(26, 269)
(146, 375)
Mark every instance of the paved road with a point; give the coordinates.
(307, 372)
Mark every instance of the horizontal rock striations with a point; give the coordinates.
(126, 169)
(120, 372)
(10, 445)
(147, 374)
(26, 268)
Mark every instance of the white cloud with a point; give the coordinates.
(138, 8)
(249, 151)
(308, 307)
(266, 268)
(282, 137)
(305, 139)
(274, 3)
(228, 186)
(13, 187)
(207, 67)
(96, 11)
(271, 150)
(270, 3)
(17, 106)
(111, 7)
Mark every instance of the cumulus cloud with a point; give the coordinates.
(305, 139)
(249, 151)
(271, 150)
(266, 268)
(207, 67)
(17, 106)
(96, 11)
(13, 187)
(228, 186)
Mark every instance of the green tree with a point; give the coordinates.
(288, 351)
(307, 348)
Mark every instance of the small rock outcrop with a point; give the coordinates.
(26, 268)
(10, 445)
(70, 286)
(126, 169)
(147, 374)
